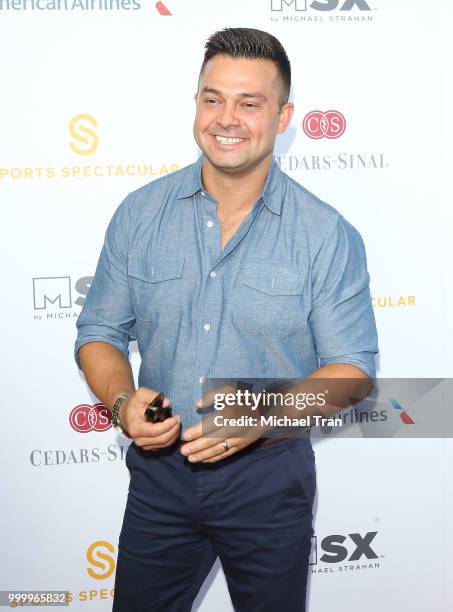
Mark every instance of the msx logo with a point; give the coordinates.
(57, 290)
(319, 5)
(337, 548)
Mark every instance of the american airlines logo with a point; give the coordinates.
(403, 414)
(162, 9)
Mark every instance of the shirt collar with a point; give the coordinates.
(191, 184)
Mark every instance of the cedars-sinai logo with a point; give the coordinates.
(162, 9)
(86, 417)
(404, 416)
(324, 124)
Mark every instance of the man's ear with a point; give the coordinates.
(196, 97)
(286, 114)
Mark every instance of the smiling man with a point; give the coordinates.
(241, 106)
(225, 269)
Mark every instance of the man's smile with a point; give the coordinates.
(228, 141)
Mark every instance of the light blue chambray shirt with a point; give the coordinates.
(289, 292)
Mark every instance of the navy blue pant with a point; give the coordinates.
(253, 510)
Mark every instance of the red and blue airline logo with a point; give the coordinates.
(404, 416)
(162, 9)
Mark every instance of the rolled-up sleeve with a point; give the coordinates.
(341, 318)
(107, 314)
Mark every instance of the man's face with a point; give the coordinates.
(238, 113)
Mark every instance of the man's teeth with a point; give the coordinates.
(227, 140)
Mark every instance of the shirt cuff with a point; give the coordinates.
(97, 338)
(363, 360)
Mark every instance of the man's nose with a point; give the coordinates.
(227, 116)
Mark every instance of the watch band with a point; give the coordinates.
(115, 419)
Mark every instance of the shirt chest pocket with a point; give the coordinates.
(268, 300)
(156, 288)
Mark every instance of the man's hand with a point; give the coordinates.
(206, 439)
(149, 436)
(210, 450)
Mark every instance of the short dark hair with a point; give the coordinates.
(251, 44)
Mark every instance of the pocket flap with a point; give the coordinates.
(274, 280)
(161, 270)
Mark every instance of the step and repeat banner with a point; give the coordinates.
(97, 100)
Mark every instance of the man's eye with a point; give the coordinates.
(250, 105)
(210, 101)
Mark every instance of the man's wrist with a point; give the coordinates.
(120, 393)
(127, 395)
(117, 419)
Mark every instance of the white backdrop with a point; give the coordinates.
(97, 101)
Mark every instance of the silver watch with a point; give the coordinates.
(115, 420)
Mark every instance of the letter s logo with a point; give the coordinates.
(93, 556)
(83, 134)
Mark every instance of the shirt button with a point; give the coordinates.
(203, 194)
(207, 326)
(201, 380)
(213, 274)
(210, 223)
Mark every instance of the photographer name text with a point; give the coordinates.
(277, 421)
